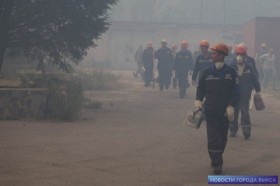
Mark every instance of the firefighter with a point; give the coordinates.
(202, 62)
(263, 50)
(165, 65)
(148, 63)
(182, 65)
(269, 69)
(138, 59)
(219, 86)
(248, 81)
(248, 59)
(174, 76)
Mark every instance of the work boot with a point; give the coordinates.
(217, 170)
(232, 135)
(181, 93)
(247, 136)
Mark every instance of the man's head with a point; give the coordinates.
(263, 46)
(243, 45)
(241, 53)
(163, 43)
(204, 46)
(184, 44)
(149, 44)
(218, 52)
(174, 47)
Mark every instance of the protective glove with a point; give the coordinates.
(193, 83)
(198, 104)
(258, 95)
(230, 113)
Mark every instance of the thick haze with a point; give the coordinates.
(189, 11)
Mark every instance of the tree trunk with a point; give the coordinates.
(6, 7)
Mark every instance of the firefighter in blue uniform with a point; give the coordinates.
(248, 81)
(203, 61)
(165, 65)
(148, 63)
(182, 65)
(219, 86)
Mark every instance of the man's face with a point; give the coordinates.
(216, 56)
(204, 49)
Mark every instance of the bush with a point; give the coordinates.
(99, 80)
(64, 102)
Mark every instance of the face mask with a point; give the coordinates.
(239, 59)
(219, 65)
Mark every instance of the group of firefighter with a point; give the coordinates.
(225, 81)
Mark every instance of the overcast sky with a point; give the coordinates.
(195, 11)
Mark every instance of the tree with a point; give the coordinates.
(56, 31)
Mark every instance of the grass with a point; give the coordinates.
(99, 80)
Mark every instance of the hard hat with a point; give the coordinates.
(184, 44)
(244, 45)
(204, 43)
(263, 45)
(164, 42)
(221, 47)
(240, 49)
(149, 44)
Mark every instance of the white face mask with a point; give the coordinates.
(219, 65)
(239, 59)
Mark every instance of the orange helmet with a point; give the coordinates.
(204, 43)
(220, 47)
(243, 45)
(184, 44)
(149, 44)
(240, 49)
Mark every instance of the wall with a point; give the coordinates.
(119, 44)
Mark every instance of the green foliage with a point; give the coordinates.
(53, 31)
(64, 102)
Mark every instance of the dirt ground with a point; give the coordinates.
(136, 139)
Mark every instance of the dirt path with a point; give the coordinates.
(137, 139)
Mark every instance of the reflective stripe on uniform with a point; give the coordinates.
(215, 151)
(212, 78)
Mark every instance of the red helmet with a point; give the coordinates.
(184, 44)
(240, 49)
(204, 43)
(243, 45)
(221, 47)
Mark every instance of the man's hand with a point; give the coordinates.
(230, 113)
(198, 104)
